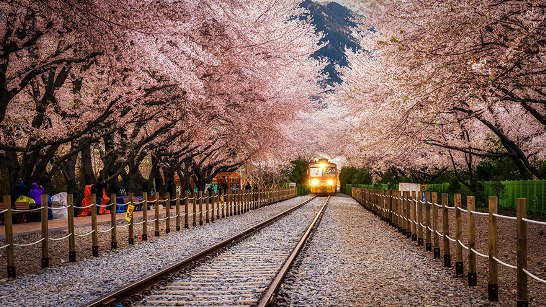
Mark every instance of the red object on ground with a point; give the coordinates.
(86, 201)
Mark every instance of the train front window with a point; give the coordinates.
(315, 172)
(330, 171)
(319, 172)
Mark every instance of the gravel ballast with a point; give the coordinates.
(239, 275)
(75, 284)
(355, 259)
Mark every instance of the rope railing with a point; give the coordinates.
(479, 213)
(85, 234)
(534, 276)
(534, 222)
(504, 263)
(479, 254)
(418, 212)
(513, 218)
(106, 230)
(216, 206)
(28, 244)
(61, 238)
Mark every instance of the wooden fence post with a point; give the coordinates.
(521, 251)
(177, 209)
(144, 216)
(72, 238)
(156, 211)
(131, 230)
(206, 199)
(45, 233)
(419, 225)
(200, 208)
(218, 205)
(167, 212)
(94, 234)
(472, 275)
(428, 233)
(459, 268)
(400, 212)
(413, 208)
(228, 202)
(194, 208)
(445, 219)
(212, 201)
(493, 285)
(244, 197)
(408, 213)
(435, 228)
(386, 199)
(223, 203)
(8, 226)
(186, 210)
(114, 231)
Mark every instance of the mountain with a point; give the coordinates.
(335, 21)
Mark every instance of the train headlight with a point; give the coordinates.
(314, 182)
(330, 182)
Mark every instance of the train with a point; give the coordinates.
(322, 176)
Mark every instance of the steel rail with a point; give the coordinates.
(123, 296)
(269, 295)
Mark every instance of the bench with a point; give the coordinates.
(20, 216)
(16, 216)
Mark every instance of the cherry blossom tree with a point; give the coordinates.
(440, 80)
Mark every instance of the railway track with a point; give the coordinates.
(244, 270)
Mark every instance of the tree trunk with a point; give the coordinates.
(87, 166)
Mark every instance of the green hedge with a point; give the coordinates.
(507, 191)
(533, 190)
(302, 189)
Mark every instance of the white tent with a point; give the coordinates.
(58, 206)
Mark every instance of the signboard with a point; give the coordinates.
(403, 186)
(129, 213)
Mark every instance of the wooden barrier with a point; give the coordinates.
(472, 275)
(428, 232)
(419, 221)
(72, 237)
(113, 224)
(131, 230)
(459, 269)
(493, 285)
(177, 211)
(392, 207)
(435, 228)
(240, 202)
(156, 215)
(45, 233)
(521, 252)
(167, 212)
(94, 228)
(144, 217)
(186, 209)
(445, 228)
(194, 207)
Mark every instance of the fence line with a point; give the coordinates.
(206, 206)
(405, 212)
